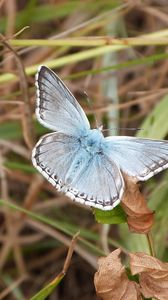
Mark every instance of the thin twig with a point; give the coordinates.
(31, 196)
(67, 262)
(130, 103)
(46, 258)
(16, 148)
(104, 238)
(27, 119)
(20, 31)
(150, 243)
(13, 102)
(1, 2)
(10, 10)
(11, 230)
(95, 22)
(91, 259)
(70, 252)
(13, 286)
(6, 247)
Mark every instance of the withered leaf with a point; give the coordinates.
(153, 277)
(111, 281)
(139, 217)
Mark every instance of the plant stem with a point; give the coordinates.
(150, 243)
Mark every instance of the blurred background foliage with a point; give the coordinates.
(127, 86)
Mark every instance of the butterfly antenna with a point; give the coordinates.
(130, 129)
(91, 108)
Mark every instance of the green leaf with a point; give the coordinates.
(10, 282)
(155, 125)
(47, 12)
(13, 130)
(10, 130)
(126, 64)
(133, 242)
(40, 13)
(20, 166)
(114, 216)
(48, 289)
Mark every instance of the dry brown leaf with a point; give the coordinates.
(139, 217)
(153, 277)
(111, 281)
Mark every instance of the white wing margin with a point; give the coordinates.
(138, 157)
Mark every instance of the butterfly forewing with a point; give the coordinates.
(56, 108)
(137, 157)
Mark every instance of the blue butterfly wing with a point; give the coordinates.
(138, 157)
(53, 156)
(99, 183)
(56, 108)
(92, 180)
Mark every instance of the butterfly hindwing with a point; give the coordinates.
(53, 155)
(100, 183)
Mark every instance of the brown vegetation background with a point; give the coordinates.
(127, 88)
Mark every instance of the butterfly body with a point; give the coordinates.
(92, 142)
(80, 161)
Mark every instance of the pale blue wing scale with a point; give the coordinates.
(53, 156)
(92, 180)
(138, 157)
(56, 108)
(99, 182)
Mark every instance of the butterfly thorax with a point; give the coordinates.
(92, 142)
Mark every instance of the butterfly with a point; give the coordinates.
(80, 161)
